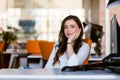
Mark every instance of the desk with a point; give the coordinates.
(34, 61)
(56, 74)
(14, 54)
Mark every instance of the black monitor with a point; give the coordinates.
(115, 35)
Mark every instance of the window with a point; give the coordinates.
(47, 21)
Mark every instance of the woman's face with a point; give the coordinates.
(71, 29)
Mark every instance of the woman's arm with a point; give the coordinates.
(69, 50)
(80, 57)
(51, 58)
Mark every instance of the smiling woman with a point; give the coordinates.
(69, 50)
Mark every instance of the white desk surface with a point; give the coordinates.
(18, 53)
(14, 54)
(56, 74)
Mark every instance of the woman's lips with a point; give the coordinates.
(69, 34)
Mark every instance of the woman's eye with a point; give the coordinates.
(72, 26)
(65, 27)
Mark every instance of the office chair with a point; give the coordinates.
(34, 51)
(46, 49)
(89, 42)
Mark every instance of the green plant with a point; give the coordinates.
(9, 35)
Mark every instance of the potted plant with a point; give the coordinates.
(9, 35)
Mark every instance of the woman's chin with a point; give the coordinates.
(69, 36)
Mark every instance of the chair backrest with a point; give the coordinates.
(89, 42)
(33, 47)
(2, 44)
(46, 48)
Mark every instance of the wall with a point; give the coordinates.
(115, 10)
(48, 3)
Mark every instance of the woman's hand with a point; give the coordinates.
(74, 36)
(70, 41)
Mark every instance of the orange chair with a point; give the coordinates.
(89, 42)
(2, 44)
(33, 47)
(34, 51)
(46, 49)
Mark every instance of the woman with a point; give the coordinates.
(70, 50)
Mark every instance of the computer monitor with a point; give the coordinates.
(94, 32)
(115, 35)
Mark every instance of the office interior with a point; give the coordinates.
(41, 20)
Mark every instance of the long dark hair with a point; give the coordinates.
(63, 39)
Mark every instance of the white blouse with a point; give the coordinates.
(75, 59)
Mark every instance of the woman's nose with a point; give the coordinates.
(68, 29)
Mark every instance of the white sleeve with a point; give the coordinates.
(80, 57)
(50, 60)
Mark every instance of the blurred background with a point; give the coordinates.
(41, 19)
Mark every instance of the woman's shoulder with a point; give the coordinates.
(57, 42)
(85, 44)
